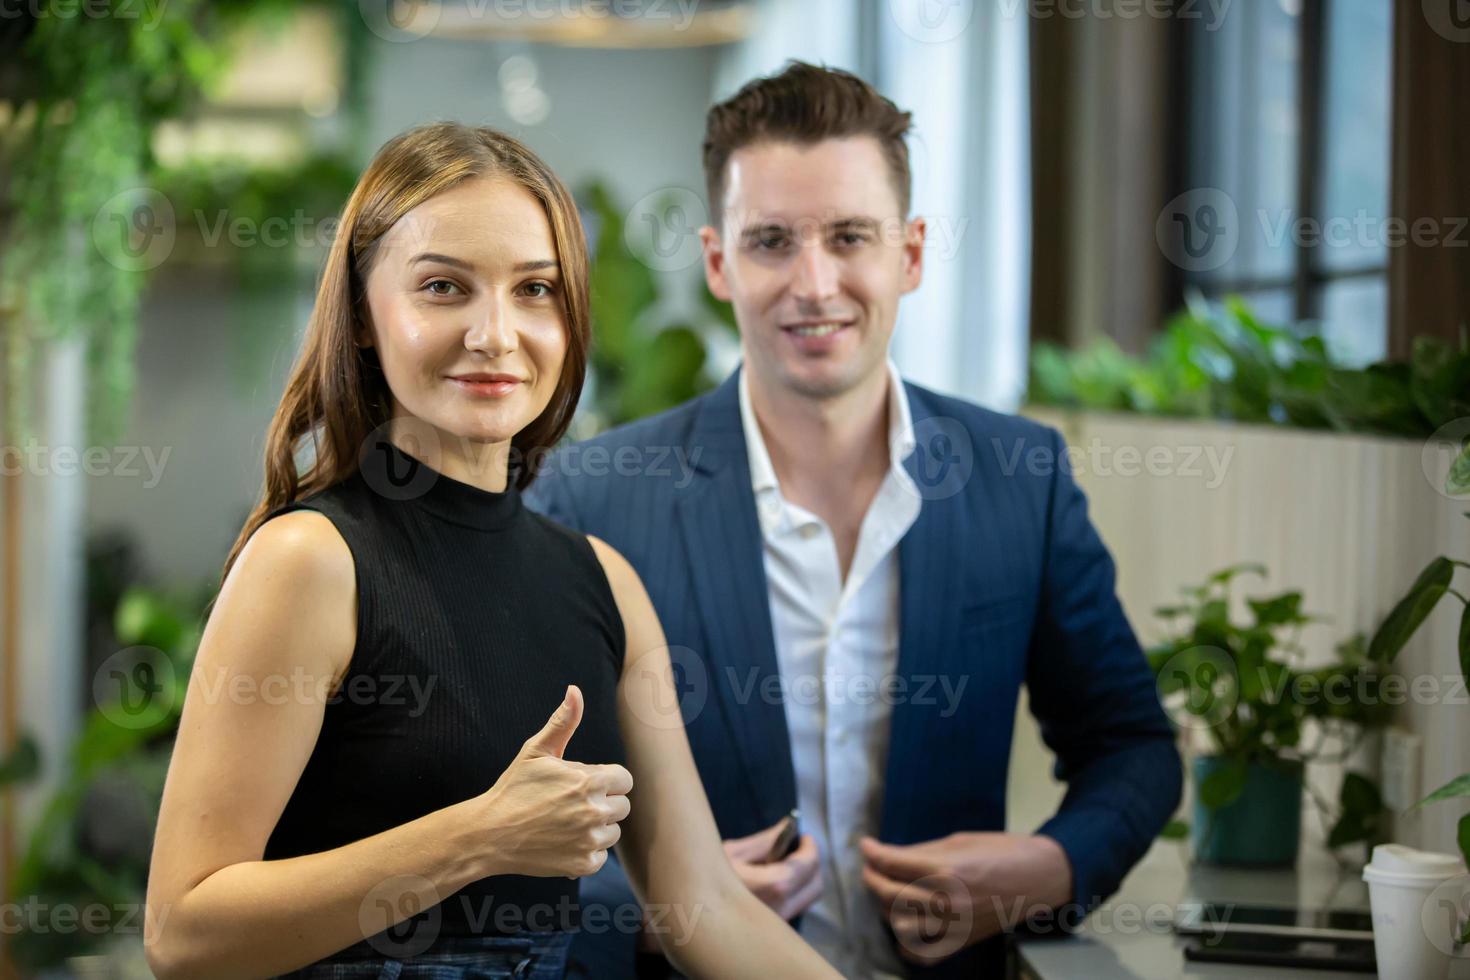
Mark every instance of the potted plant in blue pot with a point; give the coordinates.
(1243, 687)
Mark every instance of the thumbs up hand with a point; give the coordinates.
(553, 737)
(546, 816)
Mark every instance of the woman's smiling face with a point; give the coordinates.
(465, 309)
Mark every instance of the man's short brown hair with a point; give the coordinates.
(804, 104)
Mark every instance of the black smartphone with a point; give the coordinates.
(1214, 918)
(1349, 955)
(787, 838)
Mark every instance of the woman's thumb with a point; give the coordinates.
(552, 739)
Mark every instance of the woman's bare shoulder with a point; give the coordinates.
(619, 573)
(296, 573)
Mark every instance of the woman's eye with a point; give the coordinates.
(538, 290)
(439, 282)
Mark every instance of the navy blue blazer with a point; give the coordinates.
(1003, 582)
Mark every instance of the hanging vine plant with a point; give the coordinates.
(80, 225)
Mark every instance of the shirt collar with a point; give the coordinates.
(901, 441)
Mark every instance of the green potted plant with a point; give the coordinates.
(1432, 585)
(1218, 360)
(1245, 688)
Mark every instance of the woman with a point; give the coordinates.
(366, 781)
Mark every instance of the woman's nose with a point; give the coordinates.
(491, 332)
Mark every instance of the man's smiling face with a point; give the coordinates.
(813, 252)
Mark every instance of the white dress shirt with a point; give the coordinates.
(835, 642)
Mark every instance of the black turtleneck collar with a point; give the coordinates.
(395, 475)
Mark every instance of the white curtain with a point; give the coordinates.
(961, 68)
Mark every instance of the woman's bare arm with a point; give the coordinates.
(712, 926)
(286, 619)
(280, 635)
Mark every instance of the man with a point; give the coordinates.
(858, 575)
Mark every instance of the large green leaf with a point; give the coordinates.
(1362, 809)
(1465, 643)
(1215, 613)
(1281, 610)
(665, 372)
(1249, 662)
(1464, 837)
(1411, 610)
(1457, 787)
(1229, 572)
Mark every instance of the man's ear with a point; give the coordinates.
(714, 262)
(913, 254)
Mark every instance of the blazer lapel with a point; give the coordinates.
(716, 514)
(928, 620)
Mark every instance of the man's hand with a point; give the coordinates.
(944, 895)
(788, 886)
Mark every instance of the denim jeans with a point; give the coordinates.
(523, 956)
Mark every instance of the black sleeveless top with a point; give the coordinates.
(473, 615)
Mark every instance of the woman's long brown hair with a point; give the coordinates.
(337, 395)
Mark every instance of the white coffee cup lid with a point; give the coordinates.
(1395, 862)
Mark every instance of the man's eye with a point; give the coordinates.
(439, 282)
(848, 238)
(771, 241)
